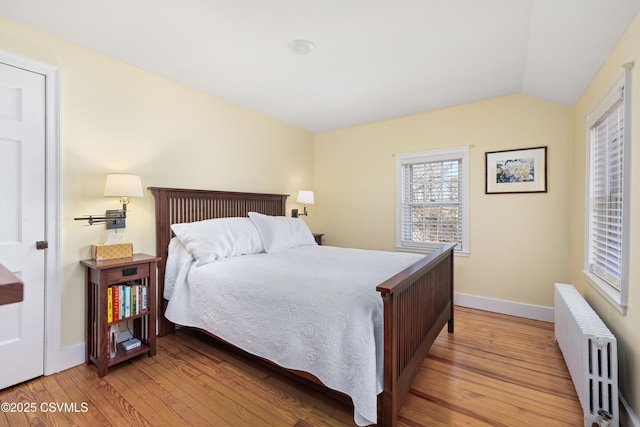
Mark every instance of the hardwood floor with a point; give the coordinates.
(495, 370)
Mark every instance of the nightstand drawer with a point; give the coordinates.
(126, 273)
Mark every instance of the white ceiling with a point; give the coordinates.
(373, 60)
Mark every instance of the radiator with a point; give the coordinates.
(590, 352)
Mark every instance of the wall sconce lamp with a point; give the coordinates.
(121, 185)
(305, 197)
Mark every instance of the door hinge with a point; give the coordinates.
(42, 244)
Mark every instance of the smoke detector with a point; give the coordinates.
(301, 47)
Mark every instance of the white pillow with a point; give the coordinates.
(219, 238)
(280, 232)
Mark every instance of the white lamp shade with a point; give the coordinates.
(305, 196)
(123, 185)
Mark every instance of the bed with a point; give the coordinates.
(416, 303)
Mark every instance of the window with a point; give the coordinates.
(432, 200)
(607, 223)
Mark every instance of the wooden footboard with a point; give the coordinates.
(418, 302)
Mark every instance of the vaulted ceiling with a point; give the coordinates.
(372, 59)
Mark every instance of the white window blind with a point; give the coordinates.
(607, 185)
(432, 199)
(608, 193)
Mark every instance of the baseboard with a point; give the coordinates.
(627, 417)
(75, 355)
(71, 356)
(511, 308)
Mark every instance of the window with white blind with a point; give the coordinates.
(607, 222)
(432, 200)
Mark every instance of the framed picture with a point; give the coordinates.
(516, 171)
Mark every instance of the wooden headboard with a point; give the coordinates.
(178, 205)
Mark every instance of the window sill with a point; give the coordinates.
(427, 250)
(607, 292)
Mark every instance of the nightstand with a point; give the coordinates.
(119, 291)
(318, 238)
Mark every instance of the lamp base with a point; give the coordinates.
(294, 213)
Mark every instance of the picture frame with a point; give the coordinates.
(522, 170)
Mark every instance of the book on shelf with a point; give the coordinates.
(139, 299)
(127, 301)
(123, 298)
(113, 340)
(115, 291)
(121, 302)
(134, 299)
(145, 298)
(109, 305)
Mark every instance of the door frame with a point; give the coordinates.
(52, 297)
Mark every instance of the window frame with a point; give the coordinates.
(619, 92)
(440, 155)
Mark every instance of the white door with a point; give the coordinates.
(22, 220)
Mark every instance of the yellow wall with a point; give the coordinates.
(117, 118)
(624, 327)
(519, 242)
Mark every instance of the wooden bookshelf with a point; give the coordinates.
(138, 270)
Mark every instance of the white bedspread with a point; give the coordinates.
(313, 308)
